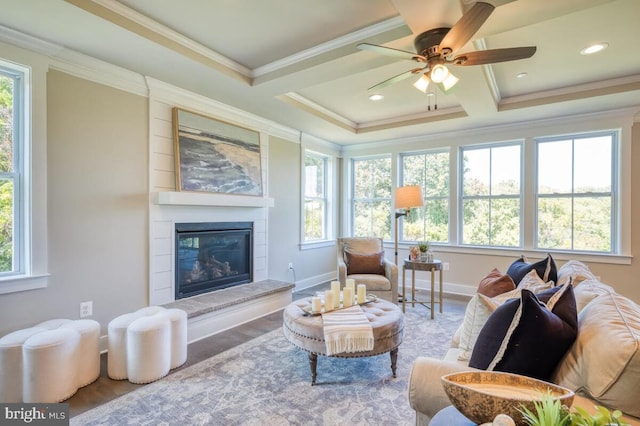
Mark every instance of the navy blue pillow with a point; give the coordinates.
(545, 268)
(524, 337)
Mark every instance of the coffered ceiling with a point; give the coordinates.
(296, 62)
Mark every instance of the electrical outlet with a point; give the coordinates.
(445, 266)
(86, 309)
(291, 266)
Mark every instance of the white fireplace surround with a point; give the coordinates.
(168, 209)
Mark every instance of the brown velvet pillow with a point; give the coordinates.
(495, 283)
(358, 263)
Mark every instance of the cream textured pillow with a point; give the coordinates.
(478, 310)
(575, 271)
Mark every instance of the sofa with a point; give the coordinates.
(363, 259)
(602, 365)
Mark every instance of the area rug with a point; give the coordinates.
(267, 381)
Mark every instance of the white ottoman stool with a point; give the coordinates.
(49, 362)
(87, 364)
(178, 319)
(11, 365)
(117, 346)
(140, 341)
(148, 349)
(49, 371)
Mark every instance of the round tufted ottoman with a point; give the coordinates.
(306, 331)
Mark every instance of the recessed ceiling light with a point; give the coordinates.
(594, 48)
(522, 74)
(430, 94)
(376, 97)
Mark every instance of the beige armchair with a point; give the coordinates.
(363, 260)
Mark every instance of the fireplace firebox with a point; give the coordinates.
(211, 256)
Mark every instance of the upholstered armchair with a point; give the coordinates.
(363, 260)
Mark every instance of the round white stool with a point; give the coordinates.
(88, 351)
(148, 349)
(11, 363)
(48, 374)
(117, 345)
(178, 319)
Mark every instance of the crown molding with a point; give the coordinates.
(125, 17)
(98, 71)
(28, 42)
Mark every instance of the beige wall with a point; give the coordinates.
(311, 266)
(97, 206)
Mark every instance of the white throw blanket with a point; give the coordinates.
(347, 330)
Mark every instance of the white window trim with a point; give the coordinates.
(34, 131)
(331, 189)
(616, 165)
(460, 174)
(351, 179)
(401, 157)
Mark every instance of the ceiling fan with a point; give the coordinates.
(437, 48)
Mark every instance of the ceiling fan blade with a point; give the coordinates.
(396, 78)
(465, 28)
(389, 51)
(482, 57)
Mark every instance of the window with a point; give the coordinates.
(575, 192)
(12, 260)
(430, 171)
(315, 197)
(371, 188)
(491, 195)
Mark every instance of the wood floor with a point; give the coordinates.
(104, 389)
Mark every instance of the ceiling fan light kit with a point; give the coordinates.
(436, 48)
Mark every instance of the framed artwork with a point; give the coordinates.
(215, 156)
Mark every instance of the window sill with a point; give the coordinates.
(317, 244)
(617, 259)
(15, 284)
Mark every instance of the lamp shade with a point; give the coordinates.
(407, 197)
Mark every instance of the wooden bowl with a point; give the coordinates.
(482, 395)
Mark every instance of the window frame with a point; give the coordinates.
(352, 192)
(33, 162)
(426, 198)
(324, 198)
(461, 198)
(614, 193)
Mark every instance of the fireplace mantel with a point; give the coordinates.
(175, 198)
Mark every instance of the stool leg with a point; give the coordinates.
(394, 360)
(313, 363)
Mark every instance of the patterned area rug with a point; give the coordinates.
(267, 381)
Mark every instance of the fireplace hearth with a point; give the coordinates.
(212, 255)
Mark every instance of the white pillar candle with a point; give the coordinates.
(362, 291)
(328, 300)
(335, 288)
(347, 297)
(350, 282)
(316, 304)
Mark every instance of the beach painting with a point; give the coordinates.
(215, 156)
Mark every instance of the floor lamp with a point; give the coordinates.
(405, 198)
